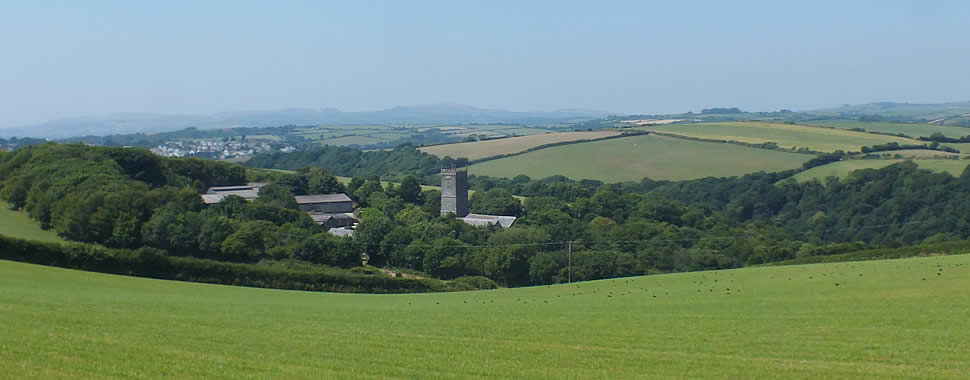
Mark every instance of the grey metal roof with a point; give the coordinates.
(212, 198)
(219, 196)
(484, 220)
(341, 231)
(322, 218)
(322, 198)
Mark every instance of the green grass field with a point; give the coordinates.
(962, 147)
(842, 169)
(914, 130)
(18, 224)
(785, 135)
(878, 319)
(632, 158)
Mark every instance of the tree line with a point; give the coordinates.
(129, 198)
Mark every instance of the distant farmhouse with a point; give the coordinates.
(333, 211)
(454, 200)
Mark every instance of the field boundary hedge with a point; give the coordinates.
(155, 263)
(936, 249)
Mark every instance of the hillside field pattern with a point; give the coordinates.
(787, 136)
(909, 129)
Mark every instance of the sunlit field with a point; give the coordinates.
(884, 319)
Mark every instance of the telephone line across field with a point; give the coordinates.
(610, 242)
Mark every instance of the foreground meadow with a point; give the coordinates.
(886, 319)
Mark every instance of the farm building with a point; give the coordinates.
(332, 211)
(344, 219)
(485, 220)
(248, 192)
(325, 203)
(454, 200)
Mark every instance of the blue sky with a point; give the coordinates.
(74, 58)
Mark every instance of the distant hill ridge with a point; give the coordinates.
(123, 123)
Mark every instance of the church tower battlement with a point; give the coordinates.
(454, 192)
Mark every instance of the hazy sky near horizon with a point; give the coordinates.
(73, 58)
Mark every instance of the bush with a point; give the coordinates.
(476, 282)
(154, 263)
(932, 249)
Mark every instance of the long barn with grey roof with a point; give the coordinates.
(325, 203)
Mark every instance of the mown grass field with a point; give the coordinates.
(909, 129)
(632, 158)
(18, 224)
(842, 169)
(962, 147)
(879, 319)
(785, 135)
(489, 148)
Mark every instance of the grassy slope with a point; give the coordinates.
(914, 130)
(785, 135)
(482, 149)
(884, 319)
(17, 224)
(842, 168)
(632, 158)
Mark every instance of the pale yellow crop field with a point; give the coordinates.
(483, 149)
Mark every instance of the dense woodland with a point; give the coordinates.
(128, 198)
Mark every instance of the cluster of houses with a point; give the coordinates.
(336, 211)
(214, 149)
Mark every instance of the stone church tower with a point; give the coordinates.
(454, 192)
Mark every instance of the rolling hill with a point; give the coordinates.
(635, 157)
(419, 114)
(490, 148)
(909, 129)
